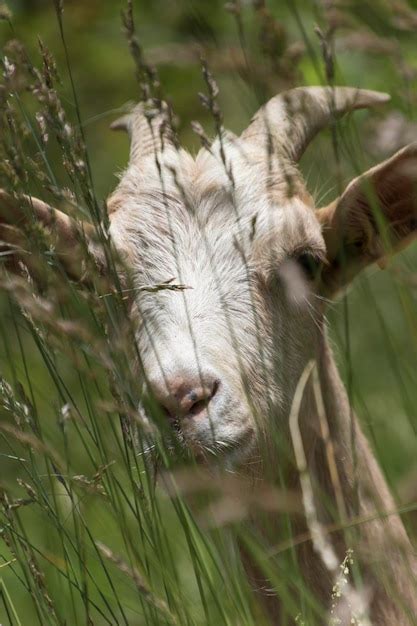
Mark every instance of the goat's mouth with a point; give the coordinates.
(223, 435)
(183, 445)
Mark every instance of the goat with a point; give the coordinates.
(224, 358)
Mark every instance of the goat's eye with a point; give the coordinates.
(309, 263)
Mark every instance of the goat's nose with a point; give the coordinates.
(183, 395)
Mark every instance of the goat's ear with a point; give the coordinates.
(374, 217)
(72, 244)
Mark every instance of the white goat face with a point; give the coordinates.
(222, 354)
(222, 357)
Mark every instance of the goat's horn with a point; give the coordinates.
(149, 128)
(292, 119)
(69, 237)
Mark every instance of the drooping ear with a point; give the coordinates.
(73, 244)
(375, 217)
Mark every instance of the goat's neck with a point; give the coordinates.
(380, 546)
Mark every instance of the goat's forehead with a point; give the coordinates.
(230, 195)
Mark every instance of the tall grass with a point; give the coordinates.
(88, 535)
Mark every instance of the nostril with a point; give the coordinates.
(185, 399)
(197, 407)
(183, 395)
(200, 404)
(214, 388)
(197, 399)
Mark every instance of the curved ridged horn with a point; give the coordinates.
(293, 118)
(149, 126)
(70, 238)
